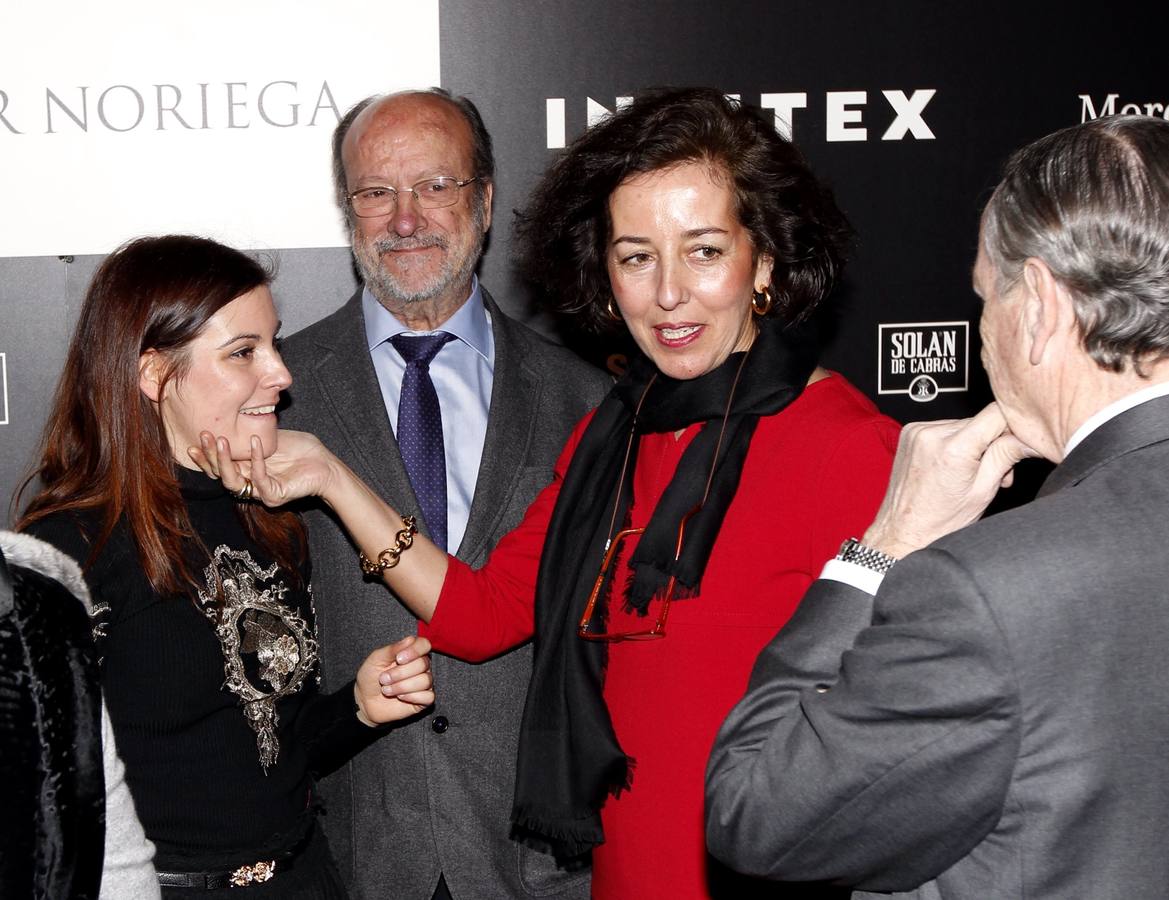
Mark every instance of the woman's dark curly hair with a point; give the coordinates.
(564, 233)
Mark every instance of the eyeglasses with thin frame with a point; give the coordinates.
(430, 193)
(587, 626)
(591, 629)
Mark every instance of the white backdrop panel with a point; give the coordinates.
(128, 118)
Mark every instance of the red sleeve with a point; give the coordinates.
(851, 484)
(484, 612)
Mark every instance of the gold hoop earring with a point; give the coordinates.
(761, 302)
(613, 314)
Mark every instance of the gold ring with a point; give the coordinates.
(245, 493)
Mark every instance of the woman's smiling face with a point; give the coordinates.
(682, 268)
(231, 382)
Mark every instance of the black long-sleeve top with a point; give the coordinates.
(214, 698)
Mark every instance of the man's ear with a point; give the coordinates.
(488, 193)
(150, 374)
(1048, 309)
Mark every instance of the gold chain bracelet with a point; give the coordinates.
(390, 557)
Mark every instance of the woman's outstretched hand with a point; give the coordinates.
(303, 467)
(394, 682)
(300, 467)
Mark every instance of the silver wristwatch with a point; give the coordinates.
(853, 551)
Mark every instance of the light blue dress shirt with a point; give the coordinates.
(462, 373)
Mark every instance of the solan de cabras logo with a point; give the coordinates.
(924, 359)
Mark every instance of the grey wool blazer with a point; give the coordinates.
(434, 795)
(995, 724)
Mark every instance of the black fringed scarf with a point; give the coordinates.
(569, 758)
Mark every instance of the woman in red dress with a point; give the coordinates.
(688, 512)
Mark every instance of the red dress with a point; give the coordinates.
(814, 475)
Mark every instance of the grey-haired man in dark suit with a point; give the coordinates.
(425, 811)
(993, 723)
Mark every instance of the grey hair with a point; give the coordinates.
(1092, 202)
(482, 151)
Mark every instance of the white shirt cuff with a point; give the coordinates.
(858, 576)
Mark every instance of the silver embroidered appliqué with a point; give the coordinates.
(253, 621)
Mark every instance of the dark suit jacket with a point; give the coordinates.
(425, 799)
(998, 726)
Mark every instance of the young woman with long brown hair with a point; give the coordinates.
(202, 605)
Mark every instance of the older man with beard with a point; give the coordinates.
(455, 413)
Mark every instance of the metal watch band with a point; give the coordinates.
(853, 551)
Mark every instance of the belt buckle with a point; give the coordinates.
(254, 873)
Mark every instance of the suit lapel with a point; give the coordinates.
(515, 397)
(361, 432)
(1133, 429)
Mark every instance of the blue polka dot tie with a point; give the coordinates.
(420, 429)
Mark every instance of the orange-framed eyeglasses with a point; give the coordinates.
(591, 626)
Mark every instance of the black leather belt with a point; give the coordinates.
(248, 874)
